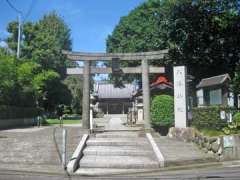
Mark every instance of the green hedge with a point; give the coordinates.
(11, 112)
(162, 111)
(209, 117)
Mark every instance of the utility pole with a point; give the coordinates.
(19, 36)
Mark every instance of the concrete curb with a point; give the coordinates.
(73, 163)
(33, 170)
(156, 150)
(144, 172)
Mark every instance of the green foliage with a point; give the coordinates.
(65, 121)
(162, 111)
(211, 132)
(234, 126)
(74, 84)
(26, 72)
(209, 117)
(198, 34)
(230, 128)
(8, 87)
(43, 42)
(11, 112)
(24, 83)
(236, 118)
(51, 91)
(37, 78)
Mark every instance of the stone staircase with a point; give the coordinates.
(118, 151)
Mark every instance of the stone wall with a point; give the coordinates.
(222, 147)
(11, 123)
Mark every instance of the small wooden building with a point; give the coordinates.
(215, 91)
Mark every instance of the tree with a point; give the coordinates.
(8, 87)
(75, 85)
(50, 90)
(204, 35)
(43, 42)
(199, 34)
(26, 73)
(40, 77)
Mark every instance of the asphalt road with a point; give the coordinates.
(219, 173)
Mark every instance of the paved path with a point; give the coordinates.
(176, 152)
(118, 123)
(34, 148)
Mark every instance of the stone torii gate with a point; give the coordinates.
(144, 69)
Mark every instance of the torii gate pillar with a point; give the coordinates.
(86, 96)
(146, 93)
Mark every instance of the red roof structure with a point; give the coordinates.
(160, 86)
(161, 80)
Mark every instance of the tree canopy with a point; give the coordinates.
(43, 42)
(203, 35)
(37, 79)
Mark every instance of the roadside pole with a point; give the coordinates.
(19, 36)
(64, 142)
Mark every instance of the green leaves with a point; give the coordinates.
(37, 78)
(43, 42)
(162, 111)
(199, 34)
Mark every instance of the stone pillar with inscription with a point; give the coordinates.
(180, 96)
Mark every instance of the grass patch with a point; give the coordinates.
(57, 121)
(211, 132)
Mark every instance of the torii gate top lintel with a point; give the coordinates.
(153, 55)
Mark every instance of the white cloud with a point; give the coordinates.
(3, 44)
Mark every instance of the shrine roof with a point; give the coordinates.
(213, 81)
(109, 91)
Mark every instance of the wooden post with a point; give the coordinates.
(146, 93)
(86, 96)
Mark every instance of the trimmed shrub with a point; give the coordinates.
(11, 112)
(209, 117)
(162, 111)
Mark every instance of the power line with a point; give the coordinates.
(20, 25)
(29, 11)
(13, 7)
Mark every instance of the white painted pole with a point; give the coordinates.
(19, 36)
(64, 138)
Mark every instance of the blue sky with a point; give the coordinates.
(90, 21)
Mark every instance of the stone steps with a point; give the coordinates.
(119, 162)
(117, 142)
(109, 171)
(118, 135)
(115, 150)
